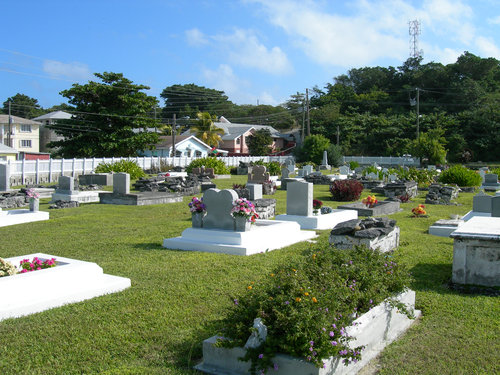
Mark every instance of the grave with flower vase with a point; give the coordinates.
(66, 192)
(373, 330)
(380, 234)
(226, 228)
(300, 209)
(21, 216)
(380, 208)
(121, 194)
(259, 175)
(264, 207)
(69, 281)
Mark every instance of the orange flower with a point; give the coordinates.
(298, 299)
(272, 275)
(314, 300)
(249, 287)
(306, 294)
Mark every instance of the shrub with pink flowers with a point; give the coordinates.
(32, 194)
(346, 190)
(36, 264)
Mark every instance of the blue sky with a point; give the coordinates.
(254, 50)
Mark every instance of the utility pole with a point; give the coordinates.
(308, 119)
(173, 136)
(418, 111)
(9, 136)
(303, 121)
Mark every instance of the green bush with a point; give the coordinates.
(353, 165)
(304, 318)
(312, 149)
(273, 167)
(460, 175)
(334, 155)
(126, 166)
(421, 176)
(218, 165)
(496, 171)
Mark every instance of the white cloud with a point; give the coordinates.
(75, 70)
(487, 47)
(223, 78)
(244, 49)
(494, 21)
(195, 37)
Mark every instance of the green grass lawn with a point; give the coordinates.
(178, 298)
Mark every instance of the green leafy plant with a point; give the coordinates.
(162, 166)
(304, 318)
(36, 264)
(7, 268)
(346, 190)
(126, 166)
(218, 165)
(460, 175)
(353, 165)
(421, 176)
(273, 167)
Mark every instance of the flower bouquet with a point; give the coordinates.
(370, 201)
(36, 264)
(198, 209)
(419, 211)
(317, 204)
(243, 212)
(33, 197)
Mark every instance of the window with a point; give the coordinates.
(25, 143)
(197, 154)
(26, 128)
(178, 153)
(238, 140)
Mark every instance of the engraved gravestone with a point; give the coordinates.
(4, 177)
(66, 185)
(324, 162)
(285, 173)
(258, 175)
(481, 203)
(121, 183)
(345, 170)
(219, 204)
(290, 164)
(299, 198)
(308, 169)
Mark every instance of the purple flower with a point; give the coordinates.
(334, 325)
(334, 343)
(287, 302)
(308, 357)
(311, 342)
(261, 356)
(332, 333)
(275, 366)
(235, 301)
(311, 349)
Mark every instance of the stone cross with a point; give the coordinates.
(299, 197)
(219, 204)
(481, 203)
(258, 175)
(121, 183)
(4, 176)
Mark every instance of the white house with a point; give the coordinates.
(22, 133)
(185, 145)
(49, 135)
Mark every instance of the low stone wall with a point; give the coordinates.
(12, 200)
(441, 194)
(265, 208)
(318, 179)
(401, 188)
(190, 185)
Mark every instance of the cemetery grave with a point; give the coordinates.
(121, 194)
(381, 208)
(176, 293)
(67, 192)
(490, 182)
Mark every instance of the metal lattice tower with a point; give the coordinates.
(414, 30)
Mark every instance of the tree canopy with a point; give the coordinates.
(22, 106)
(105, 117)
(259, 143)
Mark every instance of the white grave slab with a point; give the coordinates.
(78, 196)
(320, 222)
(70, 281)
(265, 235)
(21, 216)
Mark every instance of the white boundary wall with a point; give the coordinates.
(39, 171)
(383, 160)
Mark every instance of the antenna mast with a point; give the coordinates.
(414, 31)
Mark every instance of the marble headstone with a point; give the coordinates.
(308, 169)
(495, 206)
(66, 185)
(299, 197)
(325, 158)
(259, 175)
(481, 203)
(121, 183)
(344, 170)
(285, 173)
(255, 191)
(219, 204)
(4, 177)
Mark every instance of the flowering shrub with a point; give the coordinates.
(31, 193)
(370, 201)
(346, 190)
(36, 264)
(7, 268)
(306, 319)
(317, 204)
(405, 198)
(419, 211)
(197, 205)
(460, 175)
(245, 208)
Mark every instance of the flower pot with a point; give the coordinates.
(197, 219)
(34, 204)
(241, 224)
(316, 212)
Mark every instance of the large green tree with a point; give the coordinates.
(109, 119)
(259, 143)
(23, 106)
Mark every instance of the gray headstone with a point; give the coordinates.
(121, 183)
(345, 170)
(490, 179)
(4, 177)
(299, 197)
(358, 170)
(300, 173)
(495, 206)
(66, 183)
(290, 164)
(372, 176)
(285, 172)
(482, 173)
(219, 204)
(308, 169)
(258, 175)
(481, 203)
(255, 191)
(325, 158)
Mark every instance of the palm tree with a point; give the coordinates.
(206, 130)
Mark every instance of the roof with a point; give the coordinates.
(4, 119)
(166, 141)
(7, 150)
(232, 131)
(56, 115)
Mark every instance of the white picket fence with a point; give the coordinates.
(383, 160)
(42, 171)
